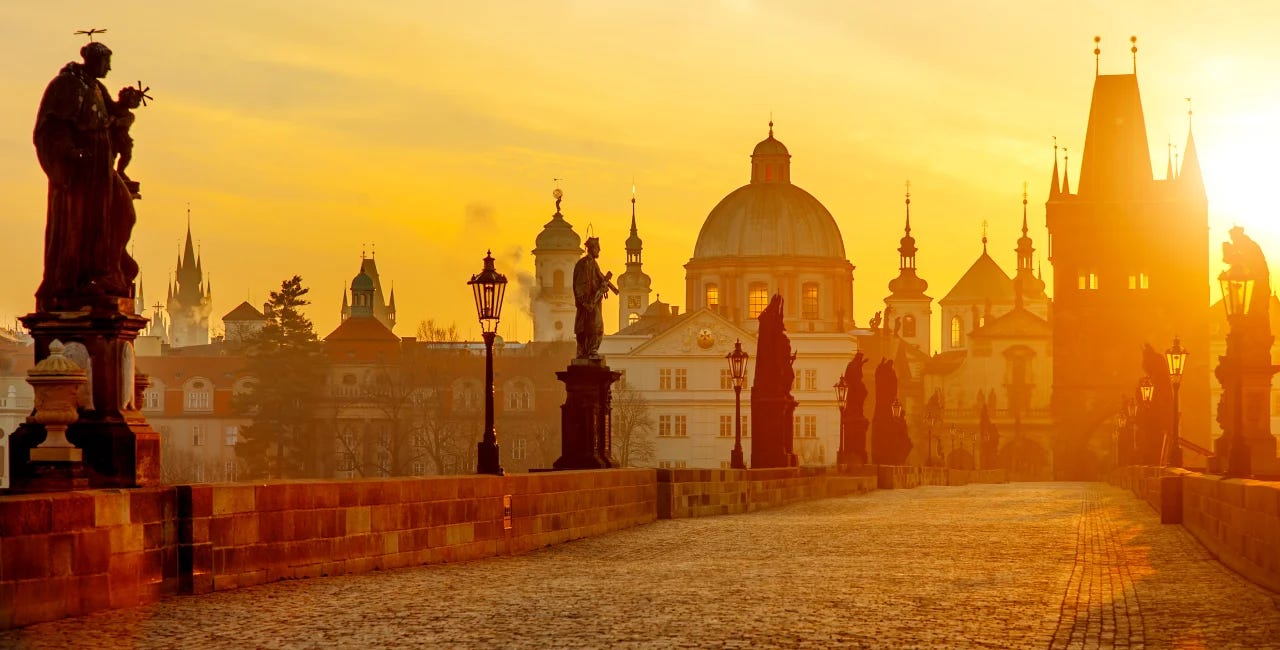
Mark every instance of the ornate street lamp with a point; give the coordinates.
(1147, 389)
(1237, 299)
(488, 286)
(842, 400)
(896, 408)
(1176, 357)
(738, 369)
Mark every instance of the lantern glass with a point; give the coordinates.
(896, 408)
(1176, 357)
(1147, 388)
(738, 364)
(842, 393)
(1237, 293)
(488, 287)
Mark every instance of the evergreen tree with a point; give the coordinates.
(289, 367)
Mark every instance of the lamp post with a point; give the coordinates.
(1176, 358)
(1237, 299)
(842, 401)
(1121, 423)
(1146, 390)
(738, 367)
(488, 286)
(930, 419)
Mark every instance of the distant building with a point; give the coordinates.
(1131, 266)
(242, 323)
(190, 300)
(381, 309)
(556, 251)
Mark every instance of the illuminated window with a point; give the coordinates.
(908, 325)
(757, 299)
(809, 301)
(1087, 281)
(632, 318)
(956, 330)
(713, 296)
(1140, 281)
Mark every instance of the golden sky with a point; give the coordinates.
(299, 132)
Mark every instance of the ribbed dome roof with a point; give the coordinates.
(558, 235)
(362, 282)
(770, 147)
(769, 219)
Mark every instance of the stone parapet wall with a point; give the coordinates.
(68, 554)
(707, 492)
(1237, 520)
(900, 477)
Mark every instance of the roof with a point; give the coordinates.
(244, 311)
(1018, 323)
(361, 328)
(770, 147)
(985, 280)
(1117, 161)
(558, 235)
(655, 320)
(362, 282)
(769, 219)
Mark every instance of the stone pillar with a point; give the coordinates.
(585, 417)
(120, 447)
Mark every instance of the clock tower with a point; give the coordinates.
(634, 284)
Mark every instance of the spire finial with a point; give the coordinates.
(771, 124)
(1024, 208)
(1066, 172)
(557, 194)
(984, 236)
(908, 203)
(373, 250)
(1097, 51)
(362, 251)
(1133, 40)
(188, 216)
(1188, 112)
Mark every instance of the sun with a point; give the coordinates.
(1238, 154)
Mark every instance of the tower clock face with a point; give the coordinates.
(706, 339)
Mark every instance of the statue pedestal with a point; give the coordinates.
(773, 434)
(585, 416)
(119, 448)
(855, 443)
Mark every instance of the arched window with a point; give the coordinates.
(909, 325)
(632, 318)
(956, 330)
(519, 395)
(199, 394)
(757, 299)
(713, 296)
(557, 279)
(809, 301)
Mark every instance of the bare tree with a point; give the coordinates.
(633, 444)
(430, 330)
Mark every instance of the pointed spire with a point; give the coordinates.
(208, 286)
(984, 236)
(138, 299)
(1024, 208)
(1190, 173)
(1168, 170)
(199, 266)
(391, 306)
(1066, 171)
(188, 256)
(908, 203)
(1055, 186)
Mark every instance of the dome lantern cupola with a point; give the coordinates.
(770, 161)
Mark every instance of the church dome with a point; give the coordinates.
(362, 282)
(775, 219)
(769, 216)
(558, 235)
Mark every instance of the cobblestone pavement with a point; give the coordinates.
(1049, 565)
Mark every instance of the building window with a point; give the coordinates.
(198, 434)
(1088, 281)
(713, 296)
(633, 302)
(757, 299)
(230, 434)
(682, 426)
(198, 398)
(726, 426)
(809, 301)
(909, 325)
(229, 470)
(664, 379)
(805, 379)
(419, 468)
(726, 379)
(957, 328)
(664, 426)
(746, 426)
(151, 400)
(811, 426)
(1140, 281)
(682, 379)
(633, 318)
(519, 396)
(519, 448)
(671, 464)
(199, 473)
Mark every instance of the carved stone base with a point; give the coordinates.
(120, 448)
(585, 419)
(855, 443)
(50, 476)
(772, 432)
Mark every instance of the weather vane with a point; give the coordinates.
(557, 194)
(90, 32)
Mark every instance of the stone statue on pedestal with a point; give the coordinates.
(590, 288)
(855, 418)
(772, 406)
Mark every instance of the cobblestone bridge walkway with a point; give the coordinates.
(1059, 565)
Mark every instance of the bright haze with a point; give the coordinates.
(300, 133)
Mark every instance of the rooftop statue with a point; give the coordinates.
(79, 130)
